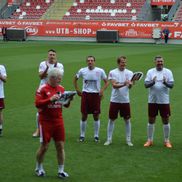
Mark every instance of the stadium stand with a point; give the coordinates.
(104, 10)
(2, 4)
(32, 9)
(57, 10)
(139, 10)
(79, 9)
(178, 15)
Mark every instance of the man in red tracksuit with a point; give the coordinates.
(51, 121)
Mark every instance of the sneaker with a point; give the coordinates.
(108, 142)
(39, 172)
(167, 144)
(96, 139)
(148, 143)
(1, 132)
(129, 143)
(36, 133)
(81, 139)
(63, 175)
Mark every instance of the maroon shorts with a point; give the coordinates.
(164, 110)
(123, 109)
(48, 131)
(90, 103)
(2, 105)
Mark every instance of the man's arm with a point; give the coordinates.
(169, 84)
(76, 86)
(40, 102)
(149, 84)
(3, 78)
(106, 83)
(3, 75)
(43, 74)
(117, 85)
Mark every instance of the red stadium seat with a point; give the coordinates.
(104, 9)
(31, 11)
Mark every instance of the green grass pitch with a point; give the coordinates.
(88, 162)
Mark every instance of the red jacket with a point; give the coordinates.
(49, 111)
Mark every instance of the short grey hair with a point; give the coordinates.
(55, 72)
(158, 57)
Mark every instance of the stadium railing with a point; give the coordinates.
(6, 10)
(3, 4)
(145, 13)
(173, 10)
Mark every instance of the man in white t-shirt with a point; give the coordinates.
(44, 68)
(90, 95)
(120, 79)
(159, 81)
(3, 78)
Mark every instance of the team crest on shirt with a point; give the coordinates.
(97, 73)
(127, 77)
(48, 93)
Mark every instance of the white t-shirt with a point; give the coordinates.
(43, 66)
(91, 79)
(120, 95)
(159, 93)
(2, 73)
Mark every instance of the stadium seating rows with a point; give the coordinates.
(86, 10)
(32, 9)
(83, 9)
(104, 9)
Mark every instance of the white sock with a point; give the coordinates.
(1, 126)
(60, 168)
(150, 131)
(128, 130)
(96, 128)
(39, 166)
(166, 129)
(37, 120)
(110, 129)
(83, 125)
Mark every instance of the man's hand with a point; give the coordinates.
(154, 79)
(55, 97)
(2, 78)
(164, 79)
(128, 83)
(79, 93)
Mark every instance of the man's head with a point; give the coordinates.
(54, 77)
(52, 56)
(121, 62)
(90, 62)
(159, 62)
